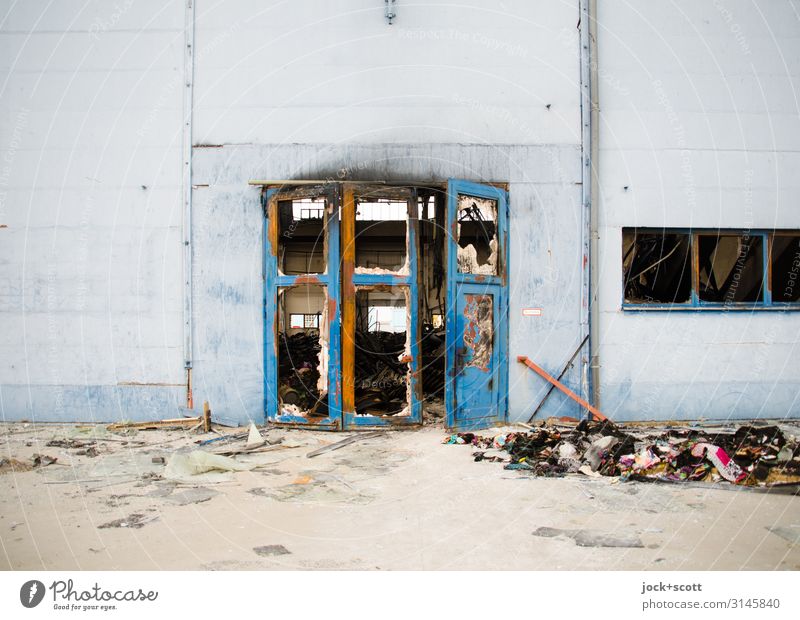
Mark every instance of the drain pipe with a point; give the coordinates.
(588, 92)
(186, 155)
(594, 239)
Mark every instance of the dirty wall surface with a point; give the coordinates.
(699, 128)
(228, 302)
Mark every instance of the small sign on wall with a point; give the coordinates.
(531, 312)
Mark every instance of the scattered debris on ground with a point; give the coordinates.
(43, 460)
(203, 421)
(299, 372)
(192, 490)
(344, 442)
(271, 550)
(749, 456)
(380, 374)
(592, 538)
(13, 465)
(133, 521)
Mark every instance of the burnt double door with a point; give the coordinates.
(347, 293)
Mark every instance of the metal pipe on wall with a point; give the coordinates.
(584, 43)
(594, 241)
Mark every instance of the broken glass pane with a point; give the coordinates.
(731, 268)
(785, 268)
(477, 235)
(656, 267)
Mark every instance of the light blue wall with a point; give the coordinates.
(544, 254)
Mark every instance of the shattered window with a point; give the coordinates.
(731, 268)
(785, 268)
(382, 351)
(706, 268)
(477, 235)
(656, 267)
(302, 240)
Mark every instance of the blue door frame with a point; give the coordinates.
(476, 390)
(340, 283)
(274, 282)
(352, 281)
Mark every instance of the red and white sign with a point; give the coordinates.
(531, 312)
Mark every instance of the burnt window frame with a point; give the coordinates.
(765, 302)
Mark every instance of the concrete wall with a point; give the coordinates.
(325, 89)
(699, 119)
(90, 186)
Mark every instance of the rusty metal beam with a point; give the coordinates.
(282, 182)
(348, 299)
(549, 378)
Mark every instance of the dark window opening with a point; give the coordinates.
(731, 268)
(381, 235)
(708, 269)
(302, 240)
(433, 236)
(303, 351)
(785, 268)
(656, 267)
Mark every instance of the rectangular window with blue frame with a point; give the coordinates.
(673, 269)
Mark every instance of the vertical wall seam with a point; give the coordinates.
(186, 161)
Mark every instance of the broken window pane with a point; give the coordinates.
(477, 235)
(302, 240)
(381, 236)
(656, 267)
(785, 268)
(478, 332)
(303, 350)
(731, 268)
(382, 351)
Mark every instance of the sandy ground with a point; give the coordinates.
(402, 500)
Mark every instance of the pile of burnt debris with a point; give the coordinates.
(749, 456)
(381, 372)
(298, 370)
(381, 384)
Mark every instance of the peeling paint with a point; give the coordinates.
(324, 331)
(478, 332)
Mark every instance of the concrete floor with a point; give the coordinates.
(402, 500)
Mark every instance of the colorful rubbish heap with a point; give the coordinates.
(750, 456)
